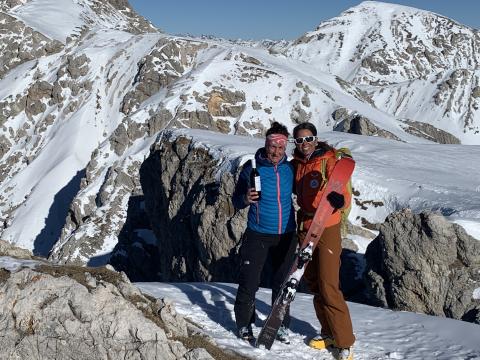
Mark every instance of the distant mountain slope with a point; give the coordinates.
(83, 98)
(416, 64)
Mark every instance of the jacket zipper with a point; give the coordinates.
(303, 184)
(279, 201)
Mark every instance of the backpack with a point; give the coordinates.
(341, 153)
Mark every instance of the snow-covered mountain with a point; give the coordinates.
(84, 97)
(414, 64)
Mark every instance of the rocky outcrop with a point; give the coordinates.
(298, 115)
(134, 23)
(214, 107)
(423, 263)
(93, 224)
(7, 249)
(187, 198)
(68, 312)
(184, 227)
(430, 132)
(358, 124)
(19, 44)
(167, 62)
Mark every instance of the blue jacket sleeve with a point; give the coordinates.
(293, 167)
(241, 188)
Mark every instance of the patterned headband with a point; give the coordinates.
(276, 139)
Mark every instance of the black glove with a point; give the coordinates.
(336, 200)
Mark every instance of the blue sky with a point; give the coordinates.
(273, 19)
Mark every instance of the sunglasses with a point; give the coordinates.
(307, 139)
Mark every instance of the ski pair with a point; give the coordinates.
(337, 181)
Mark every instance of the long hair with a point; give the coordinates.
(309, 126)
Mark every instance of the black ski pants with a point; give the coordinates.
(256, 248)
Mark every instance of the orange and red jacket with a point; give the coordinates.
(309, 185)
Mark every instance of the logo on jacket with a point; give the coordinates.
(314, 183)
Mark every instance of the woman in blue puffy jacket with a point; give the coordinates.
(270, 227)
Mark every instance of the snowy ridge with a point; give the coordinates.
(429, 60)
(77, 122)
(343, 45)
(72, 17)
(448, 100)
(77, 134)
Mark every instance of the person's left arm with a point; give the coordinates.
(341, 200)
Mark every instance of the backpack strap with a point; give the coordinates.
(323, 171)
(339, 154)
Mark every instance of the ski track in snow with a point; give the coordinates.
(380, 333)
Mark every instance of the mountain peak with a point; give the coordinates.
(60, 19)
(391, 10)
(384, 6)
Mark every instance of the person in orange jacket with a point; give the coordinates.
(313, 158)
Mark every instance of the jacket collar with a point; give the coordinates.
(317, 154)
(261, 158)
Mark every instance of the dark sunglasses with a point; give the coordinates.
(307, 139)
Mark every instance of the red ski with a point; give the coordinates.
(338, 179)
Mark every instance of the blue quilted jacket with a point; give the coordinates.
(274, 213)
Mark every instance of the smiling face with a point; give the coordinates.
(306, 148)
(275, 152)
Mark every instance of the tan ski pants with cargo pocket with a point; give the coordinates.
(322, 277)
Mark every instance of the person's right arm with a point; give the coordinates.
(241, 188)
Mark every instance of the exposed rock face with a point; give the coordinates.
(89, 226)
(423, 263)
(218, 105)
(430, 132)
(7, 249)
(62, 312)
(357, 124)
(188, 202)
(19, 43)
(109, 197)
(134, 23)
(167, 62)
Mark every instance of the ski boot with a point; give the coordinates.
(321, 342)
(246, 333)
(345, 354)
(282, 335)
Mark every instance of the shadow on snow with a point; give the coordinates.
(57, 214)
(217, 300)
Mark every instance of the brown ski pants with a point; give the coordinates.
(322, 277)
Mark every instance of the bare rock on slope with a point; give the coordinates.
(68, 312)
(423, 263)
